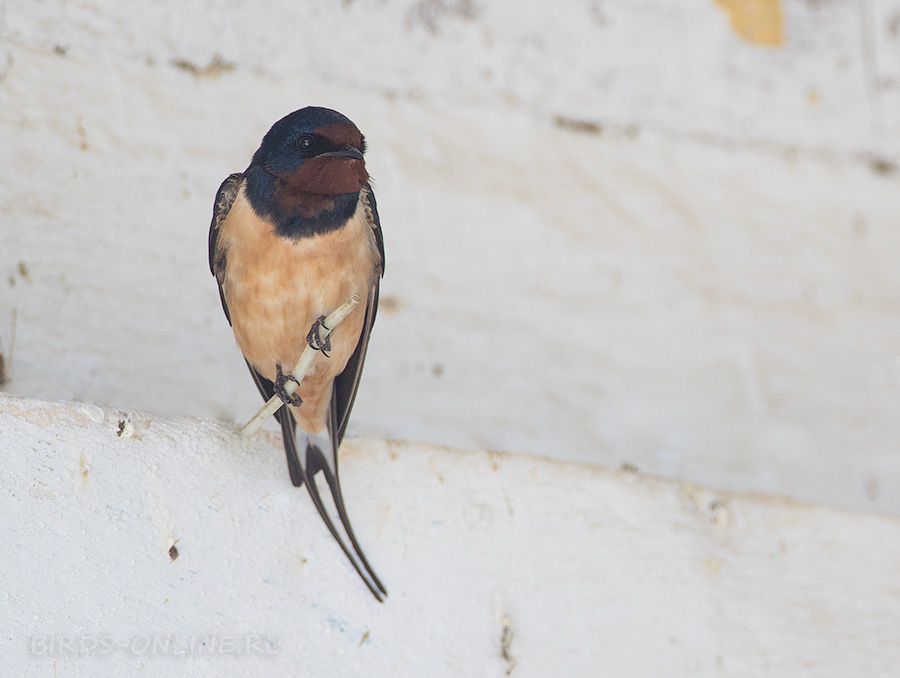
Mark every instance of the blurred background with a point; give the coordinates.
(657, 233)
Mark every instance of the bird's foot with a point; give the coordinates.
(314, 338)
(280, 380)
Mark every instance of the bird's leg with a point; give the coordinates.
(314, 338)
(280, 380)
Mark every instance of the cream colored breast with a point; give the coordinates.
(276, 287)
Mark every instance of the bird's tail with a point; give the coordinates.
(321, 455)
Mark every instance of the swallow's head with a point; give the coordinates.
(314, 151)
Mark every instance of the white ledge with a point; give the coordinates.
(496, 564)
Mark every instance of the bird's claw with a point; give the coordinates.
(314, 338)
(280, 380)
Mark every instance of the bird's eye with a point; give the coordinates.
(306, 141)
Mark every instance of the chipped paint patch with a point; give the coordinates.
(759, 21)
(506, 638)
(82, 474)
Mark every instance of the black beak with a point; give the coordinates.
(349, 153)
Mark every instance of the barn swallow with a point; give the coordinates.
(292, 238)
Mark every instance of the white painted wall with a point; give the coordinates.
(590, 571)
(830, 77)
(724, 251)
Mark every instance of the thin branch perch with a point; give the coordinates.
(300, 370)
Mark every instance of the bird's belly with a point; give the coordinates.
(276, 288)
